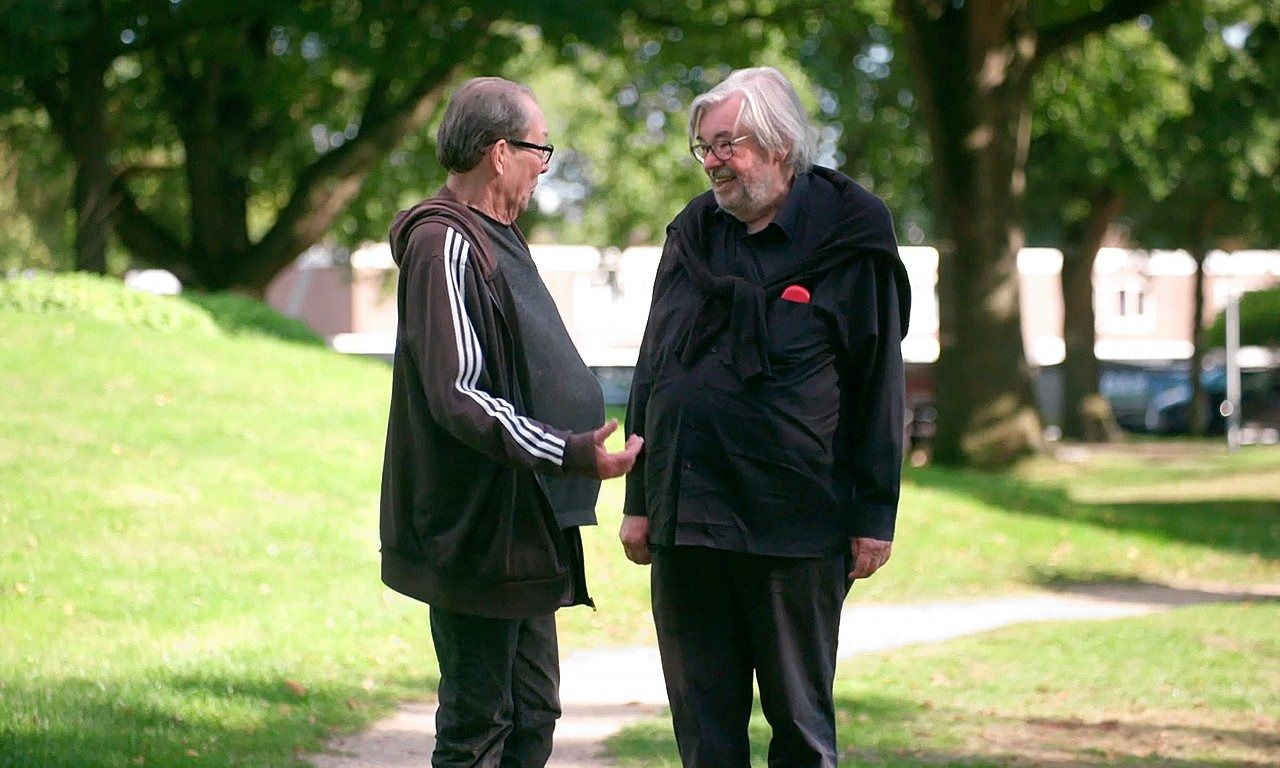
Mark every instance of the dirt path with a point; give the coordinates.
(602, 692)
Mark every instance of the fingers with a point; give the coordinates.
(634, 535)
(638, 553)
(869, 556)
(616, 464)
(602, 433)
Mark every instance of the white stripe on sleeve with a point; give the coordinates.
(527, 434)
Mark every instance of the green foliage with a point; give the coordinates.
(1223, 156)
(1098, 109)
(1259, 321)
(106, 299)
(237, 314)
(80, 295)
(35, 186)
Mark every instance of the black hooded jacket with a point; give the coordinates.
(465, 522)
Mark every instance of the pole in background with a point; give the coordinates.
(1231, 406)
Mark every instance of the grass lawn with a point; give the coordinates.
(1192, 686)
(188, 571)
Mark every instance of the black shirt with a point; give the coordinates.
(562, 391)
(796, 461)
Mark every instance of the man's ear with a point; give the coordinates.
(497, 157)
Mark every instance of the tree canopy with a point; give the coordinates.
(220, 140)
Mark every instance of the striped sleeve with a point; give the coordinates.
(444, 291)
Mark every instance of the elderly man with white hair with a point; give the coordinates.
(769, 392)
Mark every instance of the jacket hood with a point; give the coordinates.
(447, 210)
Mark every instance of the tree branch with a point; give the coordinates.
(327, 185)
(1058, 36)
(145, 237)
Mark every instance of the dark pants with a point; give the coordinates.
(499, 690)
(723, 615)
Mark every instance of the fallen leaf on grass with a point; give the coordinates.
(295, 687)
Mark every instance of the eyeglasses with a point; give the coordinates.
(721, 148)
(543, 149)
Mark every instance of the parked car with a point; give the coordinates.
(1169, 412)
(1130, 388)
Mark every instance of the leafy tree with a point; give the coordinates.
(59, 53)
(1259, 321)
(1098, 109)
(868, 96)
(1224, 154)
(260, 123)
(35, 183)
(974, 64)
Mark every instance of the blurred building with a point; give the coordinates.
(1142, 301)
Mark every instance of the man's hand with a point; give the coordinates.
(868, 556)
(614, 464)
(635, 539)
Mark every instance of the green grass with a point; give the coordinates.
(1193, 686)
(1188, 687)
(189, 567)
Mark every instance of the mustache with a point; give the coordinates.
(723, 173)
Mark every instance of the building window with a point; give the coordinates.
(1132, 302)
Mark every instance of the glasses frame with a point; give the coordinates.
(700, 150)
(547, 149)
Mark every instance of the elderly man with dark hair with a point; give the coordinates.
(495, 443)
(769, 390)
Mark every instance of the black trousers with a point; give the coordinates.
(499, 690)
(722, 616)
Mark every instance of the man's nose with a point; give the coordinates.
(711, 161)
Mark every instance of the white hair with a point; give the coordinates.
(771, 111)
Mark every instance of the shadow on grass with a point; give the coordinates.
(1251, 527)
(1122, 588)
(166, 720)
(988, 739)
(887, 731)
(899, 732)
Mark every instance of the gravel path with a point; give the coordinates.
(604, 691)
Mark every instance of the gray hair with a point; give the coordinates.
(480, 112)
(771, 111)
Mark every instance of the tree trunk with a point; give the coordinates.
(973, 65)
(77, 109)
(88, 144)
(212, 129)
(1085, 414)
(1198, 412)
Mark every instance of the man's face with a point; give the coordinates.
(526, 165)
(752, 183)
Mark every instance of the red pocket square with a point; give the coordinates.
(797, 293)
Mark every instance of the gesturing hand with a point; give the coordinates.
(614, 464)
